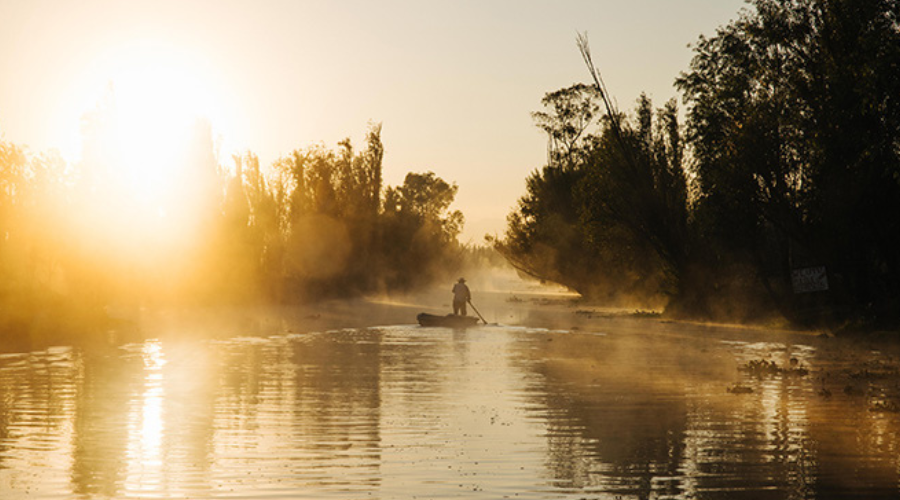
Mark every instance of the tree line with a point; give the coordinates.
(318, 222)
(788, 161)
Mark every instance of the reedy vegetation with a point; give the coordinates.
(316, 223)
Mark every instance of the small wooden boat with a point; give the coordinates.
(450, 320)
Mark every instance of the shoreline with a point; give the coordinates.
(532, 307)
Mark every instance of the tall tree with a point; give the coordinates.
(794, 121)
(419, 228)
(545, 236)
(637, 186)
(598, 218)
(571, 113)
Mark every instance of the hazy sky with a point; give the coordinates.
(452, 82)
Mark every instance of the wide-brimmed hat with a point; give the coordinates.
(462, 280)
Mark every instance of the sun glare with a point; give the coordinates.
(155, 106)
(141, 130)
(157, 93)
(159, 96)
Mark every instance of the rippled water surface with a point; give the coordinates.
(490, 412)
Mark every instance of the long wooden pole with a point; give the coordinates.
(476, 312)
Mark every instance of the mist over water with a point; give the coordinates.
(637, 409)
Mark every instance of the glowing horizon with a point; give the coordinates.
(454, 84)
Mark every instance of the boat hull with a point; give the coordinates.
(450, 320)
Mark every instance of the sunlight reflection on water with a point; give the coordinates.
(488, 412)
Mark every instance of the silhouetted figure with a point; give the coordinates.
(461, 296)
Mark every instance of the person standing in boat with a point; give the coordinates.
(461, 296)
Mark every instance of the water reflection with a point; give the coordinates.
(670, 429)
(493, 412)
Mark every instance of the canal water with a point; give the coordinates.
(645, 411)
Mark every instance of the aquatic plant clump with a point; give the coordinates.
(762, 368)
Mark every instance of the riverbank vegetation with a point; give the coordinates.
(79, 240)
(779, 192)
(776, 189)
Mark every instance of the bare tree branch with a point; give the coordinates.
(611, 111)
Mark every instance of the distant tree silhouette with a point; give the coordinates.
(419, 231)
